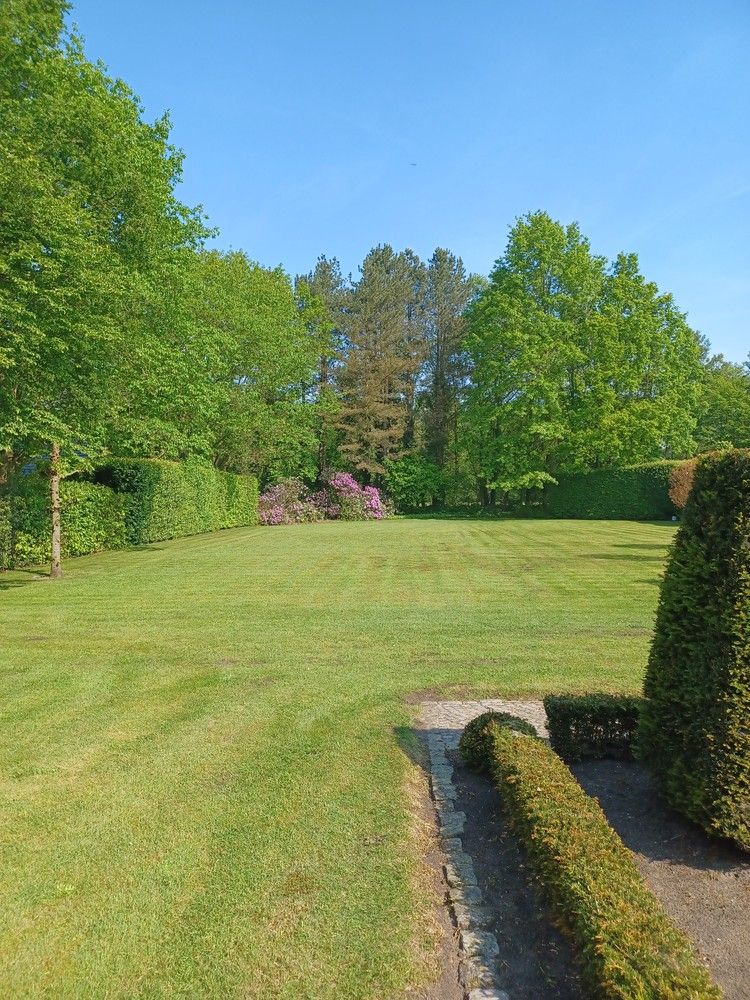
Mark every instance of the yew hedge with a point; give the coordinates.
(625, 942)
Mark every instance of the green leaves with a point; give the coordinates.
(574, 365)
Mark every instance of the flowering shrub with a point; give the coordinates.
(342, 498)
(287, 503)
(356, 503)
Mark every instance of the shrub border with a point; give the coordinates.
(626, 943)
(592, 726)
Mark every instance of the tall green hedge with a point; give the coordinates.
(695, 724)
(6, 534)
(131, 502)
(637, 493)
(93, 519)
(172, 499)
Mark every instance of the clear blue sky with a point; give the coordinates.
(301, 119)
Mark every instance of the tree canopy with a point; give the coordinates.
(123, 333)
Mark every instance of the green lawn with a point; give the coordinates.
(204, 758)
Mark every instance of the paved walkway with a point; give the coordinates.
(442, 723)
(450, 717)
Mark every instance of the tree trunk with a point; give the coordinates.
(55, 571)
(486, 495)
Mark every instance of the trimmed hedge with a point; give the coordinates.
(626, 944)
(475, 745)
(695, 724)
(93, 519)
(173, 499)
(131, 502)
(592, 725)
(637, 493)
(6, 534)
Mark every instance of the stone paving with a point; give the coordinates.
(442, 723)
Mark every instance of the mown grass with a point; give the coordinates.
(203, 761)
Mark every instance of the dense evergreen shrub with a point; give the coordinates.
(92, 516)
(172, 499)
(682, 475)
(626, 944)
(592, 725)
(638, 493)
(476, 746)
(681, 482)
(695, 724)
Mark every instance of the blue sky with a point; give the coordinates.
(301, 121)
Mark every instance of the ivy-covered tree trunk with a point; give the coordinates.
(54, 488)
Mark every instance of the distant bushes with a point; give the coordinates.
(173, 499)
(414, 482)
(592, 725)
(695, 724)
(638, 493)
(131, 501)
(341, 498)
(626, 943)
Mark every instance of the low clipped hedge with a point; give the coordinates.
(173, 499)
(475, 745)
(626, 944)
(592, 726)
(637, 493)
(93, 519)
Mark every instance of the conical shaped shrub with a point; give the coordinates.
(695, 724)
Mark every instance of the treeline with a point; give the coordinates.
(122, 335)
(452, 389)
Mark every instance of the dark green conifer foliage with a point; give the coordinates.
(695, 725)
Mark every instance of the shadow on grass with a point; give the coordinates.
(648, 546)
(622, 557)
(21, 578)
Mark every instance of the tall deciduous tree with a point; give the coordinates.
(574, 365)
(724, 411)
(262, 423)
(88, 217)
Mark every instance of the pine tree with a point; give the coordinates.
(377, 382)
(448, 291)
(323, 296)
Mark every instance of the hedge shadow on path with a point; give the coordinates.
(702, 882)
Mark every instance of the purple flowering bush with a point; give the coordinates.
(342, 498)
(287, 503)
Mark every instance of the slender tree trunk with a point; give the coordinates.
(55, 571)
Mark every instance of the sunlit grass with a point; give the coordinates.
(202, 761)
